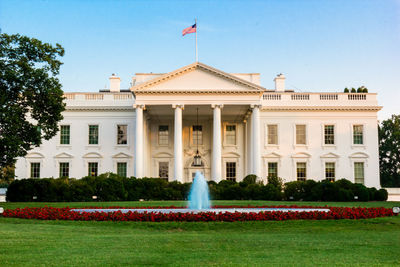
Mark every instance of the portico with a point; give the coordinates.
(223, 103)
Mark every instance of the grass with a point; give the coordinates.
(301, 243)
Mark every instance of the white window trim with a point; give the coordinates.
(330, 157)
(324, 161)
(192, 145)
(87, 136)
(359, 157)
(59, 145)
(266, 145)
(267, 169)
(116, 161)
(230, 159)
(272, 157)
(63, 160)
(301, 157)
(335, 136)
(224, 124)
(354, 168)
(363, 145)
(34, 160)
(169, 134)
(86, 165)
(295, 136)
(116, 134)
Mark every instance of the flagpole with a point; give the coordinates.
(197, 56)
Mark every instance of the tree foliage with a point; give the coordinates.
(389, 151)
(30, 94)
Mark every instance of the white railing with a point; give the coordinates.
(69, 96)
(357, 96)
(272, 97)
(300, 96)
(328, 97)
(122, 96)
(94, 96)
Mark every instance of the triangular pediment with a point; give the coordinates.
(121, 155)
(330, 156)
(359, 155)
(272, 155)
(197, 77)
(64, 156)
(92, 155)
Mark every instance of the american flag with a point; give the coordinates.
(190, 29)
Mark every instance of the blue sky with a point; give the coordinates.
(318, 45)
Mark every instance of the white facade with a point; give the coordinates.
(242, 129)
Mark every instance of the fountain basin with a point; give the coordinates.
(195, 211)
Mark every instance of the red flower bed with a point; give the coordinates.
(335, 213)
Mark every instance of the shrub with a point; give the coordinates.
(294, 190)
(353, 90)
(346, 90)
(276, 181)
(381, 195)
(250, 179)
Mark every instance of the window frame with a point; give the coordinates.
(61, 136)
(363, 135)
(126, 168)
(305, 133)
(305, 173)
(98, 135)
(59, 169)
(168, 135)
(324, 134)
(88, 166)
(117, 134)
(277, 168)
(31, 171)
(331, 179)
(354, 171)
(225, 143)
(193, 144)
(234, 179)
(267, 135)
(167, 162)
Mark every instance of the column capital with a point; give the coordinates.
(178, 106)
(142, 106)
(217, 106)
(253, 106)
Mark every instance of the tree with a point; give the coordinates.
(31, 99)
(389, 152)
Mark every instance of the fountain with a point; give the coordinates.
(199, 197)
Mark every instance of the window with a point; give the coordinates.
(300, 134)
(122, 136)
(358, 135)
(64, 134)
(230, 134)
(163, 135)
(93, 168)
(301, 170)
(197, 135)
(35, 169)
(329, 134)
(93, 134)
(163, 170)
(330, 171)
(64, 169)
(231, 171)
(272, 169)
(121, 169)
(359, 172)
(272, 134)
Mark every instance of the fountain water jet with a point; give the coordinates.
(199, 196)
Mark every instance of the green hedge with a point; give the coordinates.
(111, 187)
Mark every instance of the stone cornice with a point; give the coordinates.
(145, 92)
(110, 108)
(322, 108)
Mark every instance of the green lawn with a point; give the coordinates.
(63, 243)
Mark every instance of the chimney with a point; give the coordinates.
(114, 83)
(280, 83)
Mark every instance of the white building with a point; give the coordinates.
(238, 127)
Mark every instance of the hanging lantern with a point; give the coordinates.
(197, 158)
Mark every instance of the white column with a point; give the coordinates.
(178, 145)
(216, 170)
(139, 141)
(255, 140)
